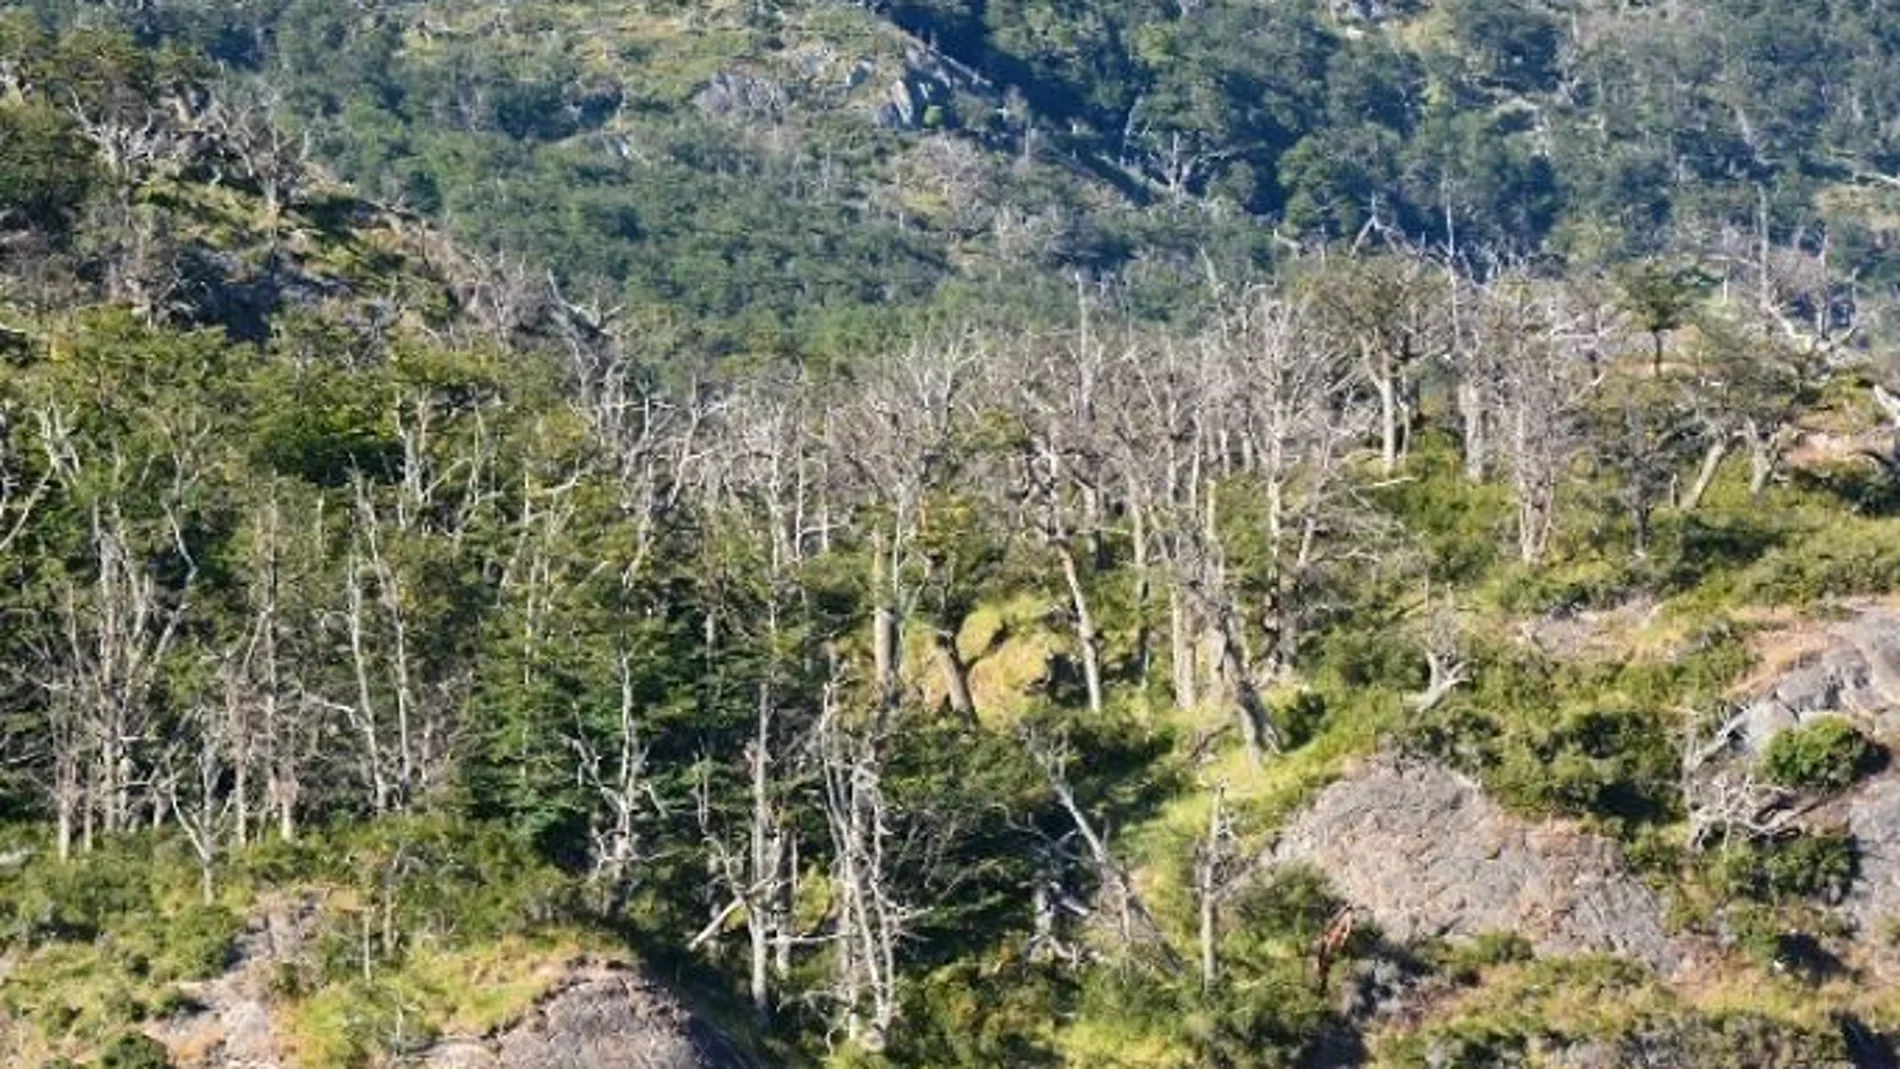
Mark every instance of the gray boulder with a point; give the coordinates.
(1873, 900)
(602, 1016)
(1428, 854)
(739, 95)
(596, 1015)
(1852, 670)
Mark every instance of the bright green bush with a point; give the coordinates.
(1828, 754)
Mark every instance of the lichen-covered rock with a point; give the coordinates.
(742, 95)
(1428, 854)
(594, 1015)
(230, 1024)
(1873, 900)
(601, 1016)
(1850, 667)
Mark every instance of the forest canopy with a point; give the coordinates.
(883, 512)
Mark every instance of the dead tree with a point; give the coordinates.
(406, 705)
(759, 877)
(760, 488)
(871, 920)
(1388, 309)
(1218, 867)
(898, 441)
(271, 153)
(1552, 353)
(1720, 791)
(192, 772)
(614, 770)
(1067, 472)
(1135, 924)
(1445, 663)
(1888, 459)
(116, 624)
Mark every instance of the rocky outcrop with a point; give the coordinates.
(739, 94)
(1873, 900)
(594, 1015)
(230, 1024)
(1427, 853)
(1849, 667)
(601, 1016)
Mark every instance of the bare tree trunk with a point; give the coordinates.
(956, 676)
(1087, 641)
(1144, 593)
(765, 917)
(1181, 646)
(870, 922)
(1471, 408)
(1705, 474)
(1256, 721)
(1386, 382)
(363, 713)
(884, 636)
(1136, 922)
(68, 795)
(1209, 880)
(1763, 458)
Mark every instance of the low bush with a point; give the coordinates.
(134, 1051)
(1827, 755)
(1816, 864)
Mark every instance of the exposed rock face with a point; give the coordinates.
(600, 1017)
(928, 80)
(595, 1016)
(1851, 667)
(231, 1027)
(1873, 818)
(1427, 853)
(742, 95)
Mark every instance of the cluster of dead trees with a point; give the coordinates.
(231, 646)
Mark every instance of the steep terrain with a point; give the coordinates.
(928, 535)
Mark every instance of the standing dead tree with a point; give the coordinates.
(898, 443)
(614, 771)
(761, 488)
(1552, 346)
(407, 693)
(118, 617)
(871, 919)
(1067, 472)
(1135, 924)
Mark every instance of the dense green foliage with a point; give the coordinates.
(718, 172)
(1827, 755)
(885, 532)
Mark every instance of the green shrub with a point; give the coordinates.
(1462, 962)
(135, 1051)
(1817, 864)
(1845, 558)
(1607, 762)
(1828, 754)
(46, 166)
(195, 944)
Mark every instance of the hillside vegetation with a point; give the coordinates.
(882, 514)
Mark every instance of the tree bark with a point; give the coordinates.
(1087, 641)
(1705, 474)
(956, 676)
(1181, 647)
